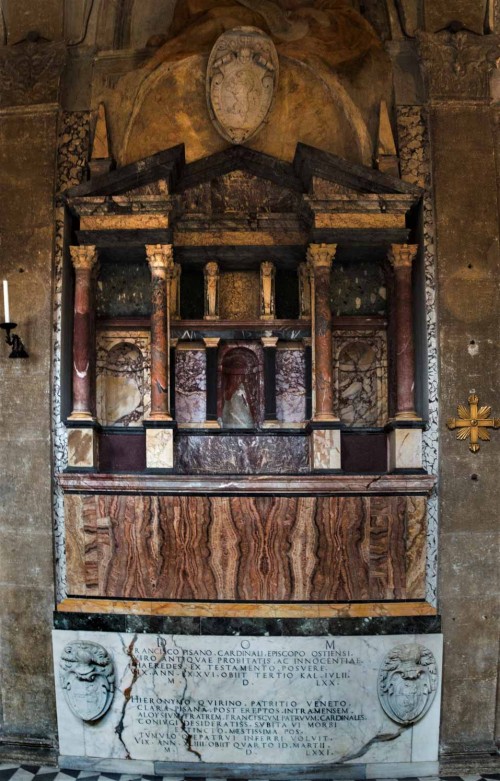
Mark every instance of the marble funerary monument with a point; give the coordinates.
(246, 409)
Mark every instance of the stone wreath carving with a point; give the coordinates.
(242, 76)
(87, 679)
(407, 683)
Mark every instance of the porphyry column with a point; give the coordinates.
(325, 425)
(82, 434)
(405, 430)
(159, 426)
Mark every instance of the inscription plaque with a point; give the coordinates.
(240, 700)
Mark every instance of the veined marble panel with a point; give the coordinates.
(123, 386)
(360, 377)
(190, 385)
(233, 454)
(416, 168)
(246, 548)
(260, 700)
(290, 385)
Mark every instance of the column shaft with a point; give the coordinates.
(321, 256)
(84, 259)
(211, 347)
(401, 257)
(269, 344)
(160, 258)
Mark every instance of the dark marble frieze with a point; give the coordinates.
(30, 71)
(242, 485)
(294, 331)
(252, 627)
(245, 455)
(246, 548)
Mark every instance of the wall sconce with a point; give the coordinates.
(13, 340)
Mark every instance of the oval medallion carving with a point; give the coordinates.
(407, 682)
(87, 679)
(242, 77)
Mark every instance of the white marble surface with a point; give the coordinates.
(405, 448)
(257, 700)
(159, 448)
(325, 449)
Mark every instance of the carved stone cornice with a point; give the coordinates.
(30, 72)
(83, 257)
(321, 255)
(402, 255)
(458, 66)
(161, 259)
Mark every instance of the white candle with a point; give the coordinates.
(6, 301)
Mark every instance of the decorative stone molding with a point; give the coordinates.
(30, 71)
(87, 679)
(402, 255)
(160, 259)
(83, 258)
(407, 683)
(321, 256)
(458, 66)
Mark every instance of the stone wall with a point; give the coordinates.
(27, 152)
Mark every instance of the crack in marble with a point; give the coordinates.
(188, 738)
(383, 737)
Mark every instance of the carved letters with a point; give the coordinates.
(242, 76)
(87, 679)
(407, 683)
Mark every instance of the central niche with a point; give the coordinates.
(240, 386)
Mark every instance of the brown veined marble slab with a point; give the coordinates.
(246, 609)
(246, 548)
(338, 485)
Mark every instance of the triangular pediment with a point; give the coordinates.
(309, 165)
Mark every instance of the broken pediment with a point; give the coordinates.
(240, 197)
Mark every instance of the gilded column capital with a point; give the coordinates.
(211, 269)
(321, 255)
(402, 255)
(83, 257)
(160, 259)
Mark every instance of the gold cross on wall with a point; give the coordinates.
(473, 423)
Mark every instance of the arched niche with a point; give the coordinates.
(240, 386)
(122, 385)
(361, 381)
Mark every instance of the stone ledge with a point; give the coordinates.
(289, 485)
(243, 610)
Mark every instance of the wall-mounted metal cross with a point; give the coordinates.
(473, 423)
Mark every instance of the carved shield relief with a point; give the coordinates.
(242, 77)
(87, 679)
(407, 683)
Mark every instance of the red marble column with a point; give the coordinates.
(320, 256)
(160, 259)
(401, 257)
(84, 260)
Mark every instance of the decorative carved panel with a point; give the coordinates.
(30, 72)
(458, 65)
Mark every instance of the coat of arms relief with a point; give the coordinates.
(242, 77)
(407, 683)
(87, 679)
